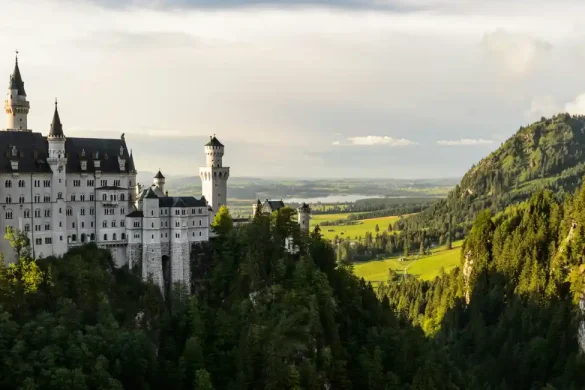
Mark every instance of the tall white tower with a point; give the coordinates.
(57, 160)
(16, 106)
(304, 217)
(214, 176)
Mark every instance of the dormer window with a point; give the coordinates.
(121, 150)
(122, 163)
(14, 164)
(84, 165)
(14, 151)
(96, 163)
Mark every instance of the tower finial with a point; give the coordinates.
(55, 103)
(16, 51)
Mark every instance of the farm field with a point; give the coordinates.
(426, 267)
(351, 231)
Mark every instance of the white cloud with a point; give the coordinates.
(576, 107)
(542, 106)
(516, 53)
(372, 140)
(466, 142)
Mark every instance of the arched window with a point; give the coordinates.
(122, 197)
(123, 236)
(104, 196)
(27, 213)
(47, 198)
(69, 211)
(8, 214)
(92, 237)
(220, 175)
(114, 236)
(9, 199)
(74, 237)
(47, 212)
(106, 237)
(82, 237)
(8, 183)
(27, 228)
(105, 224)
(21, 183)
(21, 199)
(37, 213)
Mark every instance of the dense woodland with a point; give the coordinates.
(375, 207)
(261, 318)
(547, 154)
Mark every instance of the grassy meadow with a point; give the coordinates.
(351, 231)
(426, 267)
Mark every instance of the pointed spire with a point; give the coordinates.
(56, 126)
(16, 79)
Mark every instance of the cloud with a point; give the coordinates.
(542, 106)
(372, 140)
(516, 53)
(466, 142)
(576, 107)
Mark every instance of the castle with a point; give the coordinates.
(68, 191)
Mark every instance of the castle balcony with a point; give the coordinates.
(110, 203)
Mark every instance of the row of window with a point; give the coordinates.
(177, 211)
(22, 183)
(76, 183)
(69, 212)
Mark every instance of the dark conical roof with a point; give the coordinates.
(56, 126)
(213, 142)
(16, 80)
(159, 175)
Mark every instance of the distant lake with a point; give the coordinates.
(335, 198)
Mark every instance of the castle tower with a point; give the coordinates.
(214, 176)
(57, 160)
(159, 181)
(304, 217)
(16, 106)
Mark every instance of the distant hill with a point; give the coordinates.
(549, 153)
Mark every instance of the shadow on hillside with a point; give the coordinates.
(514, 342)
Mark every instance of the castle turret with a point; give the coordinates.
(57, 160)
(159, 181)
(214, 176)
(304, 217)
(16, 106)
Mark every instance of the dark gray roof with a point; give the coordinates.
(16, 80)
(56, 126)
(32, 153)
(159, 175)
(31, 150)
(149, 194)
(181, 201)
(136, 214)
(274, 204)
(213, 142)
(107, 151)
(305, 206)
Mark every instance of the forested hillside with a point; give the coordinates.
(261, 318)
(509, 315)
(548, 154)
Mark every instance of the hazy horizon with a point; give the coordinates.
(300, 89)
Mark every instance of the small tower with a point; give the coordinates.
(214, 176)
(16, 106)
(57, 160)
(159, 181)
(304, 217)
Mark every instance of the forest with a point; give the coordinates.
(262, 318)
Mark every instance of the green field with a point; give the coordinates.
(351, 231)
(426, 267)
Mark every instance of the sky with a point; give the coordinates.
(299, 88)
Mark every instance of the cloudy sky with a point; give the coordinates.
(306, 88)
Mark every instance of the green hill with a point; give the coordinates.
(549, 154)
